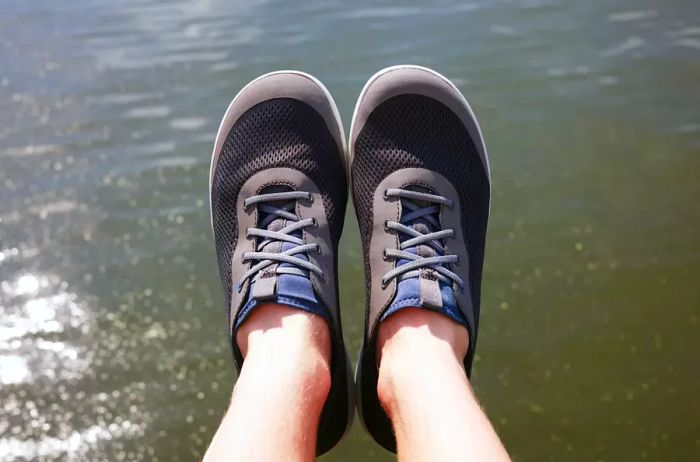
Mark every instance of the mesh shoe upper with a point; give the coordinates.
(417, 131)
(283, 132)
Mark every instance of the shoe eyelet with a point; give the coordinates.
(314, 222)
(385, 256)
(386, 196)
(311, 199)
(386, 226)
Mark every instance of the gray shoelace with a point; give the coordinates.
(432, 239)
(272, 212)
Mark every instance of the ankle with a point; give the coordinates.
(287, 346)
(414, 348)
(280, 369)
(273, 326)
(423, 331)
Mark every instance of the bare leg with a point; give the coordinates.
(279, 396)
(425, 392)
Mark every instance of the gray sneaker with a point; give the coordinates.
(421, 189)
(278, 190)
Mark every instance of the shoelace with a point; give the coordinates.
(272, 212)
(432, 239)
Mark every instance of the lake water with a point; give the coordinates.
(112, 329)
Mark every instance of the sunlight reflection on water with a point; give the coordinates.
(37, 310)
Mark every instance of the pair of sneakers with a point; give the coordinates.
(419, 175)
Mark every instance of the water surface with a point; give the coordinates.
(112, 333)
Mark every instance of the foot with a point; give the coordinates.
(278, 193)
(421, 191)
(413, 346)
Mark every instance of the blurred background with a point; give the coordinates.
(112, 329)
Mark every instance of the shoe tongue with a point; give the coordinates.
(278, 223)
(422, 226)
(425, 287)
(267, 285)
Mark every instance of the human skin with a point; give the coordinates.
(277, 402)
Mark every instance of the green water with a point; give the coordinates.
(112, 331)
